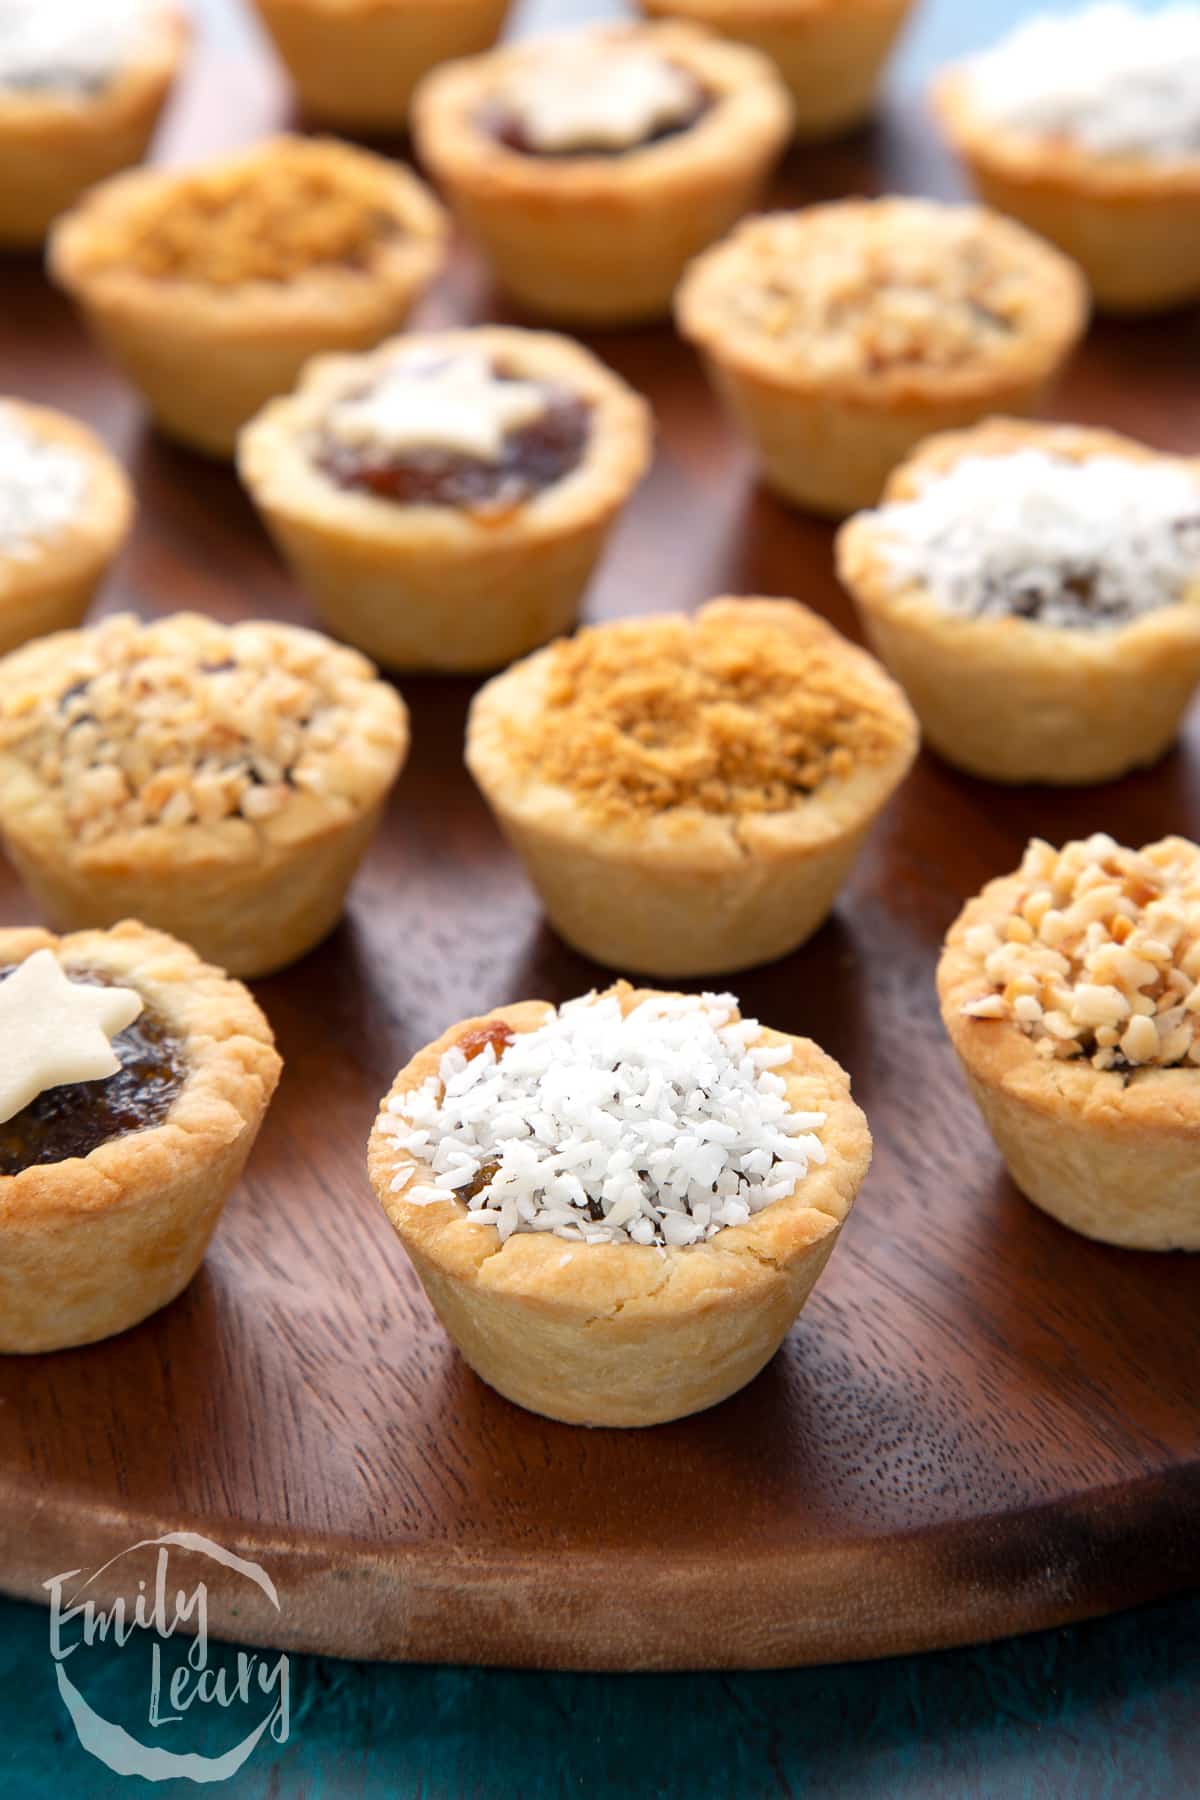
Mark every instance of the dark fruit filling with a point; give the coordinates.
(534, 457)
(76, 1119)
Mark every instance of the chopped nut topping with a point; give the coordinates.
(289, 206)
(180, 722)
(871, 287)
(725, 714)
(1111, 971)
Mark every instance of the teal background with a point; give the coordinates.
(1107, 1709)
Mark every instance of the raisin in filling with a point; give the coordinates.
(534, 457)
(76, 1119)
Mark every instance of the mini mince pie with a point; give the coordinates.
(445, 497)
(831, 53)
(689, 794)
(65, 510)
(842, 335)
(81, 89)
(213, 286)
(355, 63)
(1036, 590)
(591, 167)
(133, 1081)
(617, 1209)
(1071, 992)
(1087, 127)
(226, 779)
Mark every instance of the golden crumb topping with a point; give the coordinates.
(729, 715)
(290, 206)
(184, 721)
(1102, 957)
(872, 287)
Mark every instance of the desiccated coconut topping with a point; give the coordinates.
(69, 46)
(182, 721)
(43, 485)
(1102, 957)
(658, 1125)
(731, 714)
(869, 287)
(1077, 544)
(1113, 79)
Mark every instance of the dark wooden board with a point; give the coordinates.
(982, 1423)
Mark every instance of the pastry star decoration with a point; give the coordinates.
(457, 405)
(54, 1031)
(594, 97)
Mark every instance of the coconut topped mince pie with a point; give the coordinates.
(65, 510)
(133, 1081)
(1111, 80)
(81, 88)
(247, 265)
(1036, 589)
(618, 1208)
(688, 793)
(1071, 991)
(844, 333)
(593, 166)
(228, 778)
(1087, 126)
(446, 496)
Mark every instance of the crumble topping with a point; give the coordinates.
(661, 1124)
(1112, 79)
(1103, 958)
(178, 722)
(1082, 544)
(870, 287)
(69, 46)
(43, 486)
(592, 94)
(437, 401)
(287, 207)
(729, 715)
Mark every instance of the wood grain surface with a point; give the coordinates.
(981, 1424)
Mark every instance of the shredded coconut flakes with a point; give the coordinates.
(657, 1126)
(1113, 79)
(1065, 543)
(42, 487)
(70, 46)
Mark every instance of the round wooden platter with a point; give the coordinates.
(982, 1424)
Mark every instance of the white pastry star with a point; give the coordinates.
(54, 1031)
(458, 405)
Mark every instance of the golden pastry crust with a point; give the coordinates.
(1131, 223)
(235, 823)
(1007, 698)
(53, 146)
(1114, 1158)
(842, 335)
(94, 1244)
(681, 883)
(246, 267)
(621, 1334)
(50, 585)
(355, 63)
(435, 587)
(603, 239)
(831, 53)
